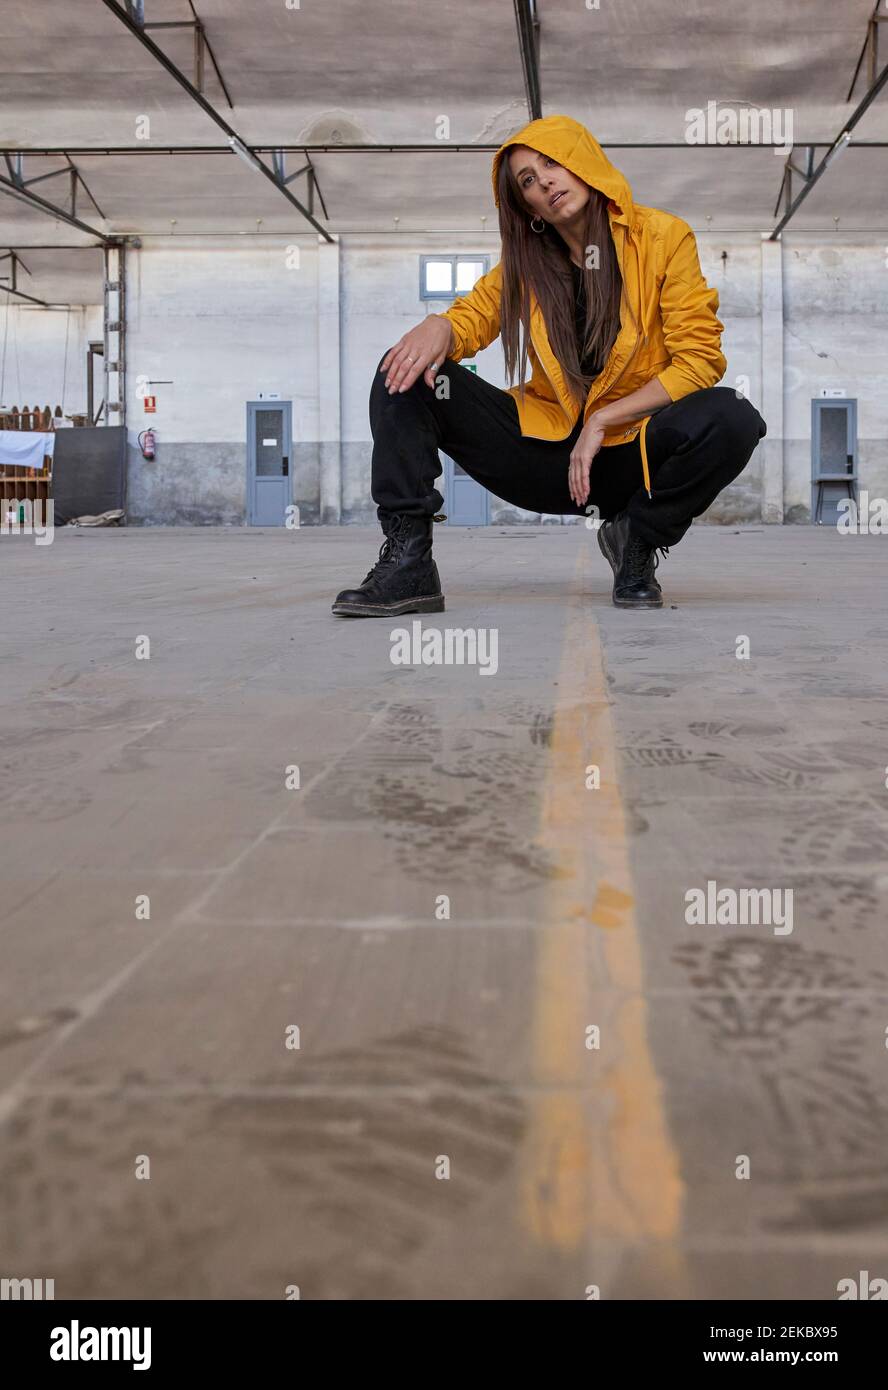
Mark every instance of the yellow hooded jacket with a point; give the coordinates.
(669, 329)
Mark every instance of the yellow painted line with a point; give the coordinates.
(599, 1160)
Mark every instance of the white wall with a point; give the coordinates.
(222, 322)
(226, 318)
(37, 366)
(835, 335)
(211, 323)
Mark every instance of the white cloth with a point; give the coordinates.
(25, 448)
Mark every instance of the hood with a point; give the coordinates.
(571, 144)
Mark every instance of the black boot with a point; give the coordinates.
(633, 562)
(405, 577)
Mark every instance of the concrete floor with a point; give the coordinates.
(422, 1039)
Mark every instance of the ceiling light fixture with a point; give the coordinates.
(842, 143)
(243, 153)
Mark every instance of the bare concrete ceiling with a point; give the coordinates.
(385, 72)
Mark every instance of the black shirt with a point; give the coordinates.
(588, 364)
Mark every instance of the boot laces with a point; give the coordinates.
(641, 559)
(388, 551)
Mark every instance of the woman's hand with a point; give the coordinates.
(422, 349)
(582, 454)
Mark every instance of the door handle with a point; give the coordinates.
(286, 463)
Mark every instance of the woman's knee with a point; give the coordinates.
(735, 411)
(732, 418)
(379, 392)
(379, 376)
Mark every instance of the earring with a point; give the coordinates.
(541, 228)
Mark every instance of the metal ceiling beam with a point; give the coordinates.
(16, 187)
(30, 299)
(202, 46)
(529, 48)
(238, 145)
(16, 173)
(279, 163)
(842, 140)
(439, 147)
(15, 261)
(79, 179)
(871, 43)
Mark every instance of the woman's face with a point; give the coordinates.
(541, 180)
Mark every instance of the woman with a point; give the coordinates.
(621, 413)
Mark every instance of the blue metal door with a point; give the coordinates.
(466, 502)
(833, 456)
(269, 486)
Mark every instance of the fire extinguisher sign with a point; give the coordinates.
(150, 404)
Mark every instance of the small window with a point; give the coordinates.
(439, 277)
(468, 273)
(446, 277)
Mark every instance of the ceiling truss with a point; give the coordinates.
(17, 186)
(132, 16)
(810, 175)
(202, 46)
(15, 261)
(800, 166)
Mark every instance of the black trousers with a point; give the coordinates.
(695, 447)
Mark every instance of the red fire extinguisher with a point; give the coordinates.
(146, 443)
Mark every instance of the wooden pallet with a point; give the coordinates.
(30, 484)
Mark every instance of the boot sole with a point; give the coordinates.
(434, 603)
(627, 603)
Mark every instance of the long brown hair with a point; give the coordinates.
(542, 261)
